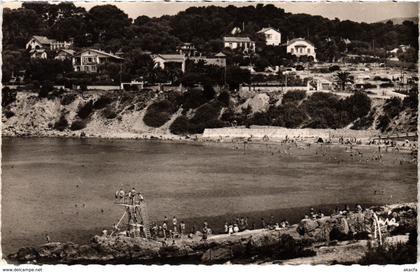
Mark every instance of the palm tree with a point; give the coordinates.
(342, 78)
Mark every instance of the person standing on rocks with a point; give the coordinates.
(165, 229)
(174, 224)
(205, 231)
(132, 195)
(182, 228)
(263, 225)
(121, 195)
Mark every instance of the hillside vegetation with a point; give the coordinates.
(190, 112)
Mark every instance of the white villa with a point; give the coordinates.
(42, 42)
(88, 60)
(301, 47)
(162, 59)
(244, 43)
(39, 46)
(272, 36)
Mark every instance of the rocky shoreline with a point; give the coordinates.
(328, 240)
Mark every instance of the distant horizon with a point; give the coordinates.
(358, 12)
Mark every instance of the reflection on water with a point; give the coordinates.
(57, 186)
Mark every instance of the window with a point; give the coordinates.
(268, 36)
(308, 50)
(292, 50)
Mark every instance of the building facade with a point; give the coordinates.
(88, 60)
(301, 47)
(272, 36)
(42, 42)
(162, 60)
(243, 43)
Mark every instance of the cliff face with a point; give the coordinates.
(328, 240)
(93, 114)
(121, 114)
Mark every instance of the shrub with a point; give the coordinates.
(411, 101)
(78, 125)
(209, 92)
(383, 122)
(224, 98)
(391, 254)
(261, 119)
(393, 107)
(364, 122)
(293, 116)
(109, 113)
(67, 99)
(159, 113)
(334, 68)
(68, 84)
(45, 90)
(293, 96)
(369, 86)
(61, 124)
(206, 113)
(192, 99)
(102, 102)
(83, 87)
(378, 78)
(8, 96)
(205, 117)
(357, 105)
(180, 125)
(299, 68)
(9, 114)
(85, 110)
(386, 85)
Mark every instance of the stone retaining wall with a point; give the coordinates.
(279, 133)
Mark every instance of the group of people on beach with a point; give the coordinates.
(242, 223)
(237, 225)
(355, 222)
(168, 230)
(273, 225)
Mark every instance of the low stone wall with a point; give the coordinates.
(279, 133)
(268, 88)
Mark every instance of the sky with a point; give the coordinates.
(355, 11)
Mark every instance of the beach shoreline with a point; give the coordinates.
(242, 247)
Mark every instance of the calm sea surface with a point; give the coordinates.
(65, 187)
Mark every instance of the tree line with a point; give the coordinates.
(108, 28)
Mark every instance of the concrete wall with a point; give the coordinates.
(274, 88)
(279, 133)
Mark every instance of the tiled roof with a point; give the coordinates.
(43, 39)
(237, 39)
(101, 53)
(220, 54)
(299, 40)
(266, 29)
(68, 51)
(172, 57)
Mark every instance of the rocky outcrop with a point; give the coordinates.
(305, 240)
